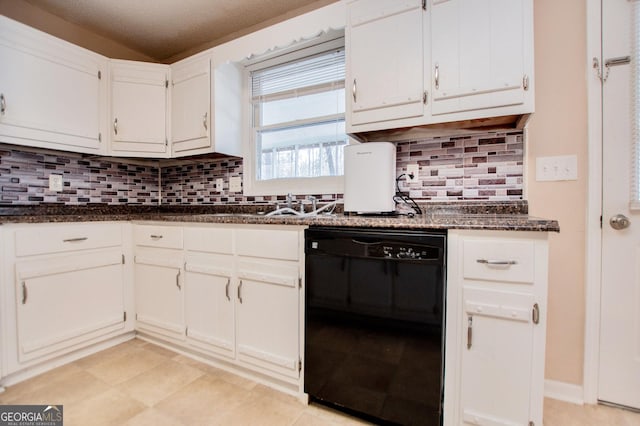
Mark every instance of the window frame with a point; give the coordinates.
(299, 185)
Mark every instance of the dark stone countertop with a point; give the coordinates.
(446, 215)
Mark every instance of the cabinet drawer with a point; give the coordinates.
(62, 238)
(496, 260)
(158, 236)
(209, 240)
(266, 243)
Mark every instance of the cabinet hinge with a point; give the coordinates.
(424, 4)
(425, 97)
(124, 316)
(99, 137)
(525, 82)
(299, 365)
(600, 221)
(299, 282)
(123, 259)
(166, 84)
(186, 331)
(166, 142)
(136, 317)
(99, 75)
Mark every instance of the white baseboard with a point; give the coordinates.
(562, 391)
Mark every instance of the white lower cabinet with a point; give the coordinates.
(231, 292)
(70, 290)
(496, 327)
(209, 290)
(268, 312)
(159, 280)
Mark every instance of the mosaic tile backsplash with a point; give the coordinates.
(480, 167)
(24, 179)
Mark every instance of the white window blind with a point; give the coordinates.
(298, 114)
(635, 102)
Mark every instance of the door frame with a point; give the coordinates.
(593, 231)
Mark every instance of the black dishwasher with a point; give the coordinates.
(374, 322)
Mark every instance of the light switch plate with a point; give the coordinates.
(557, 168)
(219, 185)
(235, 184)
(55, 183)
(413, 169)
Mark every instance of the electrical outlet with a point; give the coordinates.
(219, 185)
(235, 184)
(413, 169)
(557, 168)
(55, 183)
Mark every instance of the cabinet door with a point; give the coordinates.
(62, 302)
(158, 295)
(139, 108)
(52, 93)
(268, 316)
(385, 76)
(497, 357)
(479, 53)
(190, 105)
(209, 306)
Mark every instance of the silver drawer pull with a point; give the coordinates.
(156, 237)
(497, 262)
(3, 104)
(75, 240)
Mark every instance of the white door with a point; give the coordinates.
(619, 369)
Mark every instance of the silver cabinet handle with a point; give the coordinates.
(204, 120)
(226, 289)
(3, 104)
(497, 262)
(24, 292)
(115, 126)
(75, 240)
(178, 280)
(469, 332)
(155, 237)
(354, 90)
(239, 291)
(437, 76)
(535, 314)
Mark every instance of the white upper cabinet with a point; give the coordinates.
(384, 47)
(206, 105)
(52, 93)
(190, 105)
(481, 54)
(139, 109)
(465, 59)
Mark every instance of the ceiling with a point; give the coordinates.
(162, 29)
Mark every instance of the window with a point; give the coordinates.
(297, 121)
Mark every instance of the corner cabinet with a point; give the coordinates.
(384, 51)
(139, 124)
(481, 54)
(496, 325)
(65, 289)
(52, 94)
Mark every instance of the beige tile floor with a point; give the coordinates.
(138, 383)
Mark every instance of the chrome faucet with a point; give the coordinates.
(289, 200)
(313, 202)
